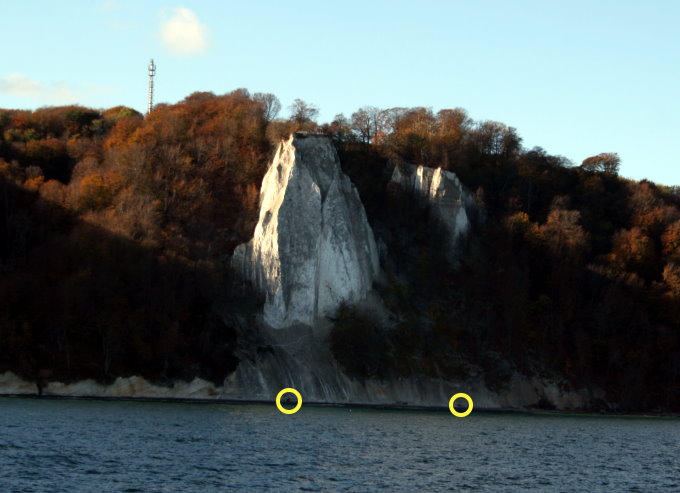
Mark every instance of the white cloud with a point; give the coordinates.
(56, 93)
(182, 33)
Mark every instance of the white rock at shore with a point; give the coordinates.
(522, 391)
(133, 386)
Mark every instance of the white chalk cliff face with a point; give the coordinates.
(313, 248)
(450, 201)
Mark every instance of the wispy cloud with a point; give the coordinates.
(109, 5)
(182, 33)
(55, 93)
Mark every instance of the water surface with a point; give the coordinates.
(85, 446)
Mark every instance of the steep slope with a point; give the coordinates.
(313, 248)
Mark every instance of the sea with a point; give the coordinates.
(128, 446)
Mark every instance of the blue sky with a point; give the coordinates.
(574, 77)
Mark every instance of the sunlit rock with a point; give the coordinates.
(313, 248)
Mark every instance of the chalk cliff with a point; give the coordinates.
(450, 202)
(263, 379)
(313, 248)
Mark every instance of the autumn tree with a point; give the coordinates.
(671, 276)
(649, 210)
(411, 131)
(563, 232)
(453, 122)
(606, 162)
(98, 190)
(78, 118)
(670, 240)
(633, 251)
(199, 97)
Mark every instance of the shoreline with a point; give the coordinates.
(348, 405)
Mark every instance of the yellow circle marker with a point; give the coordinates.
(283, 409)
(464, 413)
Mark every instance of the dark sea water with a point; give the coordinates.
(91, 446)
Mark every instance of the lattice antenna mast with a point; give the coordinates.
(152, 73)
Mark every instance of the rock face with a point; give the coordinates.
(450, 202)
(262, 379)
(313, 248)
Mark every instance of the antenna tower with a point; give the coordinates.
(152, 72)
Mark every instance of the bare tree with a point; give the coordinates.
(496, 138)
(367, 122)
(270, 104)
(339, 129)
(303, 113)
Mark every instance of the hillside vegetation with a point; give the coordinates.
(116, 232)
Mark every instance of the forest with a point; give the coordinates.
(116, 232)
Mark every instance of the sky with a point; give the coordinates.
(576, 78)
